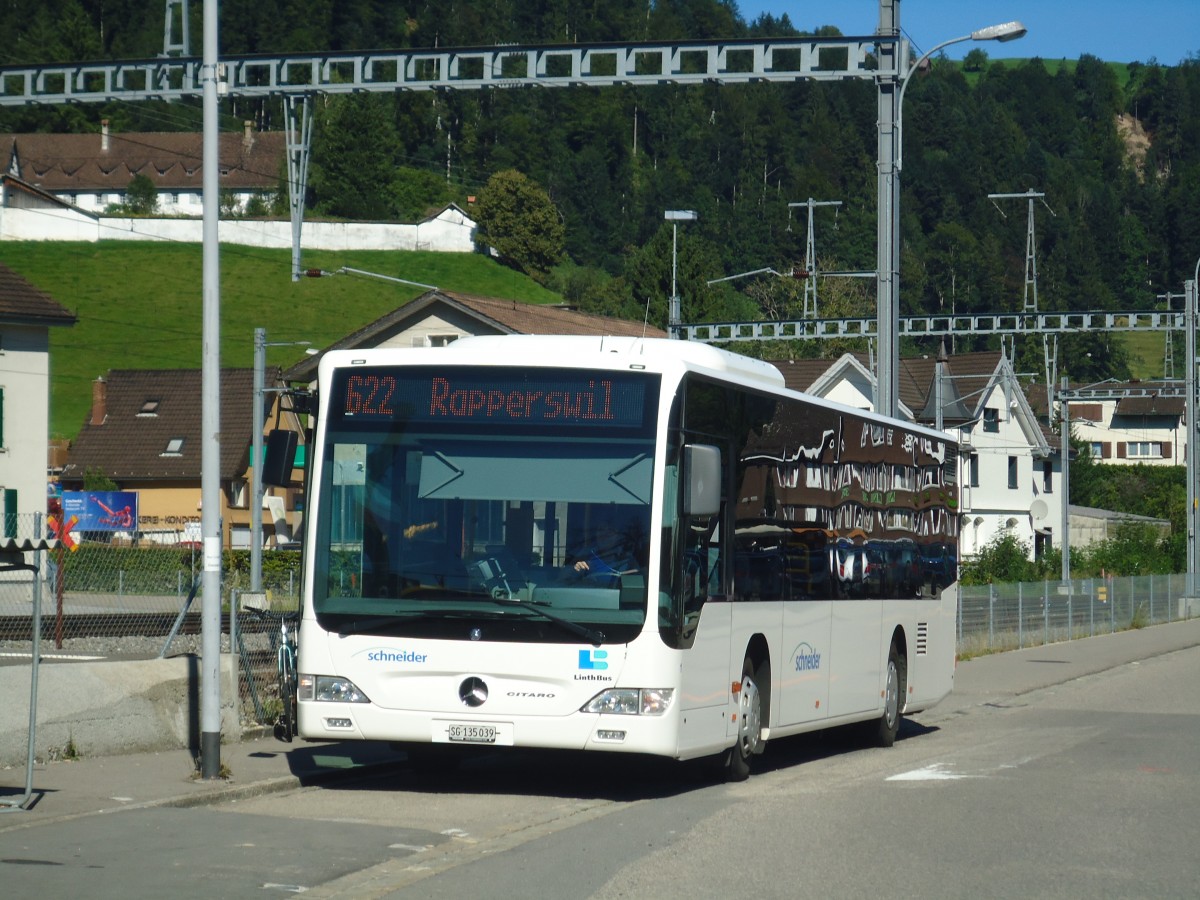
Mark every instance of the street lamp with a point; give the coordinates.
(887, 294)
(675, 216)
(1008, 31)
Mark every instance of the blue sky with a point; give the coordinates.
(1114, 30)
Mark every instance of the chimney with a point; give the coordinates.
(247, 136)
(99, 401)
(104, 135)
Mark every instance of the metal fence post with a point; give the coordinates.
(1020, 616)
(1092, 618)
(991, 609)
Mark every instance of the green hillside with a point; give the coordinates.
(139, 305)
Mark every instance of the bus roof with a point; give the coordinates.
(570, 350)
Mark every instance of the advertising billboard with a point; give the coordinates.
(102, 510)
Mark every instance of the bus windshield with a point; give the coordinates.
(482, 529)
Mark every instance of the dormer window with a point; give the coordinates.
(149, 408)
(174, 447)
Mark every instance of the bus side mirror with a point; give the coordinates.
(702, 468)
(280, 458)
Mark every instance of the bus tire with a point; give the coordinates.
(749, 733)
(895, 684)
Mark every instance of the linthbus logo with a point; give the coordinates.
(593, 659)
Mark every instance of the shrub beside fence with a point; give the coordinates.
(997, 617)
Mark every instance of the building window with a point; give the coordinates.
(1047, 477)
(174, 447)
(1012, 473)
(149, 408)
(973, 470)
(1096, 450)
(1042, 541)
(1144, 450)
(991, 420)
(441, 340)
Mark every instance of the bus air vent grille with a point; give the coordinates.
(922, 638)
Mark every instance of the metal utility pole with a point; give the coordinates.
(299, 121)
(171, 46)
(810, 256)
(210, 415)
(893, 59)
(1169, 349)
(1064, 419)
(1030, 296)
(1190, 410)
(256, 461)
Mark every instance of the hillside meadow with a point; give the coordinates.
(140, 305)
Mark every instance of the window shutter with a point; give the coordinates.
(1106, 450)
(10, 512)
(1166, 449)
(2, 441)
(1120, 450)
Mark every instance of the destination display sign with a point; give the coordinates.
(493, 395)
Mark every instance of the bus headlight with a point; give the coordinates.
(330, 688)
(631, 701)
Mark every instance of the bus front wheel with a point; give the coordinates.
(749, 734)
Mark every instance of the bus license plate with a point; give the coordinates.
(470, 733)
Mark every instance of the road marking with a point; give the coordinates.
(51, 656)
(935, 772)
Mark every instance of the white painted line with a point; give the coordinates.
(51, 656)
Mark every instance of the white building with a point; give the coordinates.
(26, 317)
(1140, 428)
(93, 171)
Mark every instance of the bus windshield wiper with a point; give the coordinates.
(591, 635)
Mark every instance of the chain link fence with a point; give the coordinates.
(998, 617)
(113, 599)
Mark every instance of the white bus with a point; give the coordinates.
(615, 544)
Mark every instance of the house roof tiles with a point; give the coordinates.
(151, 426)
(22, 303)
(171, 160)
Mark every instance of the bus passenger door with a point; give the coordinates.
(804, 675)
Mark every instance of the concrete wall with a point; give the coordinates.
(108, 708)
(449, 232)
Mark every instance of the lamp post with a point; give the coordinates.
(675, 216)
(887, 295)
(256, 453)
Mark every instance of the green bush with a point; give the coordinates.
(151, 569)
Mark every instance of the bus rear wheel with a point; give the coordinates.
(887, 726)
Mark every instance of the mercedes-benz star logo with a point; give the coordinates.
(473, 692)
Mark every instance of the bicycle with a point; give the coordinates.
(286, 726)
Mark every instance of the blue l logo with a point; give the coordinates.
(593, 659)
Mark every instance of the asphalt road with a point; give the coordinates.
(1083, 786)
